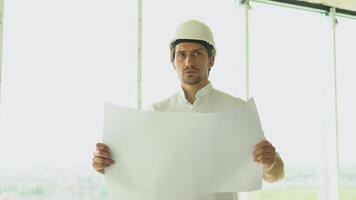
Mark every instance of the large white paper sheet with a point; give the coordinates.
(180, 155)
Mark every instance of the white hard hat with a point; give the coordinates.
(194, 30)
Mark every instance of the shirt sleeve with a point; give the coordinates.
(276, 172)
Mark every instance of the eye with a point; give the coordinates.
(197, 53)
(180, 55)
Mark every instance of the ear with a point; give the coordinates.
(211, 61)
(174, 66)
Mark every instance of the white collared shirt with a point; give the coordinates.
(207, 99)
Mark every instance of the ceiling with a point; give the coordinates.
(342, 4)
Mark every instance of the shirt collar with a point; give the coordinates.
(202, 92)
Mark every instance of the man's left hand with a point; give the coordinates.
(264, 153)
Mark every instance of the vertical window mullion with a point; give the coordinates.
(330, 189)
(336, 113)
(139, 54)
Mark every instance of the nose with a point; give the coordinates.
(188, 61)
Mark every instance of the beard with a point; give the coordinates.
(192, 81)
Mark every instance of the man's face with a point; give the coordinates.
(192, 62)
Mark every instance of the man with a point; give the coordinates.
(192, 56)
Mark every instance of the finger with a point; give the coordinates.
(102, 146)
(101, 160)
(263, 150)
(264, 156)
(102, 153)
(101, 171)
(266, 162)
(262, 143)
(263, 146)
(98, 166)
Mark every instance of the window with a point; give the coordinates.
(346, 62)
(61, 61)
(159, 78)
(286, 82)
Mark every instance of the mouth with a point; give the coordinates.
(190, 71)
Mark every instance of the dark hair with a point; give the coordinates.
(209, 48)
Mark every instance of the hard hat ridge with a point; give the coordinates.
(194, 30)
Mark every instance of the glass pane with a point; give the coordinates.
(286, 82)
(346, 69)
(61, 60)
(159, 78)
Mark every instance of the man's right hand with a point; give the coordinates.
(102, 158)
